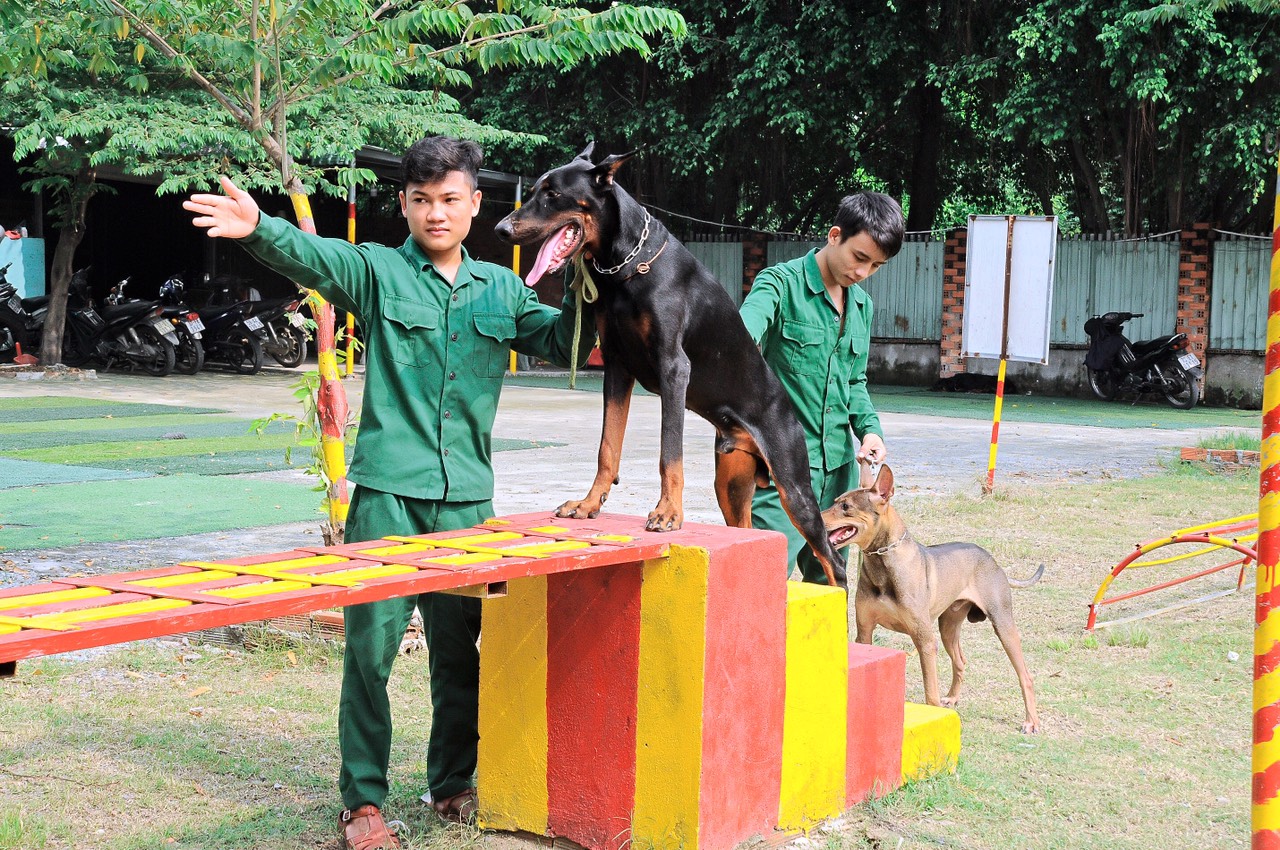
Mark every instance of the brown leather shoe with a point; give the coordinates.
(460, 808)
(364, 829)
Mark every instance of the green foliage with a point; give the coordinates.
(771, 110)
(132, 82)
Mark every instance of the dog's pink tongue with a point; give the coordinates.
(543, 262)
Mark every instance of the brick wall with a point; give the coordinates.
(1195, 275)
(953, 264)
(755, 254)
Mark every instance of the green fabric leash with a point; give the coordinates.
(585, 289)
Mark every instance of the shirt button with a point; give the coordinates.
(446, 452)
(828, 410)
(455, 297)
(448, 415)
(453, 337)
(453, 376)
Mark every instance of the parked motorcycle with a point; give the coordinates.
(233, 337)
(186, 324)
(132, 332)
(285, 328)
(21, 319)
(1164, 365)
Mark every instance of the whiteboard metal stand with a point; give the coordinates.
(989, 484)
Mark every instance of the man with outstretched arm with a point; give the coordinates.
(439, 327)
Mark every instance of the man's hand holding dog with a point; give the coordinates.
(232, 216)
(872, 451)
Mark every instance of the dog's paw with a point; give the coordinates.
(578, 510)
(664, 520)
(1031, 727)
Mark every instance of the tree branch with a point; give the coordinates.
(195, 76)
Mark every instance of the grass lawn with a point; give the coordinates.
(1145, 741)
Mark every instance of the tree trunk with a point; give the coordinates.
(922, 186)
(70, 233)
(331, 398)
(1093, 208)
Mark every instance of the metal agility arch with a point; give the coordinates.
(1214, 537)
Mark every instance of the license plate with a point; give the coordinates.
(296, 320)
(194, 325)
(15, 304)
(253, 323)
(163, 326)
(1189, 361)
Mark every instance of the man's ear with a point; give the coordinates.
(609, 166)
(475, 203)
(586, 152)
(404, 209)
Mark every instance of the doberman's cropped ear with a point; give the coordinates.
(610, 164)
(884, 483)
(586, 152)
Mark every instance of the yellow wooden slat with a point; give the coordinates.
(52, 622)
(51, 597)
(271, 571)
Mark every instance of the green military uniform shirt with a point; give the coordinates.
(435, 353)
(822, 366)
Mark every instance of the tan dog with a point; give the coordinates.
(905, 586)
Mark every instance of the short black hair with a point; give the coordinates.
(429, 160)
(876, 214)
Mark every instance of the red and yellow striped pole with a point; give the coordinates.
(351, 319)
(515, 261)
(1266, 635)
(995, 430)
(331, 399)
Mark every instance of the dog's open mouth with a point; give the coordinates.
(842, 536)
(555, 252)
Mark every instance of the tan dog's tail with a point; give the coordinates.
(1027, 582)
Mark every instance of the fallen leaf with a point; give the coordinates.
(200, 790)
(198, 692)
(293, 659)
(133, 674)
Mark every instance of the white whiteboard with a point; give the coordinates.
(1035, 243)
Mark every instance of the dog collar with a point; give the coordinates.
(644, 237)
(883, 549)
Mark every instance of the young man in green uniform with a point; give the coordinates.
(813, 324)
(439, 327)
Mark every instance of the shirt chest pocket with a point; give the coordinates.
(409, 326)
(494, 332)
(803, 349)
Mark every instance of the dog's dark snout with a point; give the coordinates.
(504, 230)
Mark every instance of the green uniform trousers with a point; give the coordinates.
(767, 513)
(374, 631)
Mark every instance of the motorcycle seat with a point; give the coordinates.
(1152, 344)
(132, 310)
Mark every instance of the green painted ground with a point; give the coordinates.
(76, 471)
(58, 515)
(48, 408)
(1021, 408)
(26, 473)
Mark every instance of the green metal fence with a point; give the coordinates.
(1098, 274)
(1238, 296)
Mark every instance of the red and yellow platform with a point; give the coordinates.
(670, 690)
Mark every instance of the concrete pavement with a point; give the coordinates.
(929, 454)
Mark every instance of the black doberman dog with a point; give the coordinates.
(666, 322)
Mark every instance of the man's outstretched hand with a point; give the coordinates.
(231, 216)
